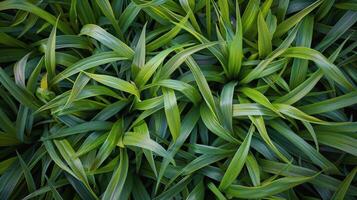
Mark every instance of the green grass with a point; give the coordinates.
(178, 99)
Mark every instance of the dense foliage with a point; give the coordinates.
(178, 99)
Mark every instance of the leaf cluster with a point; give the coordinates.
(178, 99)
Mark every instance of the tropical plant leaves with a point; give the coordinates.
(182, 99)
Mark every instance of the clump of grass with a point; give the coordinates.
(168, 99)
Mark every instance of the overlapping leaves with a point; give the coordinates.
(167, 99)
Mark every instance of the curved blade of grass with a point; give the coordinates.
(269, 189)
(20, 70)
(142, 141)
(303, 38)
(287, 24)
(139, 55)
(258, 121)
(80, 128)
(297, 114)
(213, 125)
(50, 53)
(300, 91)
(250, 15)
(151, 66)
(327, 67)
(167, 37)
(109, 144)
(115, 83)
(128, 16)
(258, 97)
(343, 187)
(87, 63)
(264, 37)
(107, 10)
(172, 112)
(67, 152)
(116, 184)
(216, 191)
(237, 162)
(343, 24)
(247, 109)
(311, 130)
(226, 102)
(143, 129)
(202, 85)
(29, 7)
(336, 140)
(23, 115)
(189, 91)
(78, 85)
(339, 102)
(107, 40)
(320, 180)
(235, 47)
(253, 169)
(171, 65)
